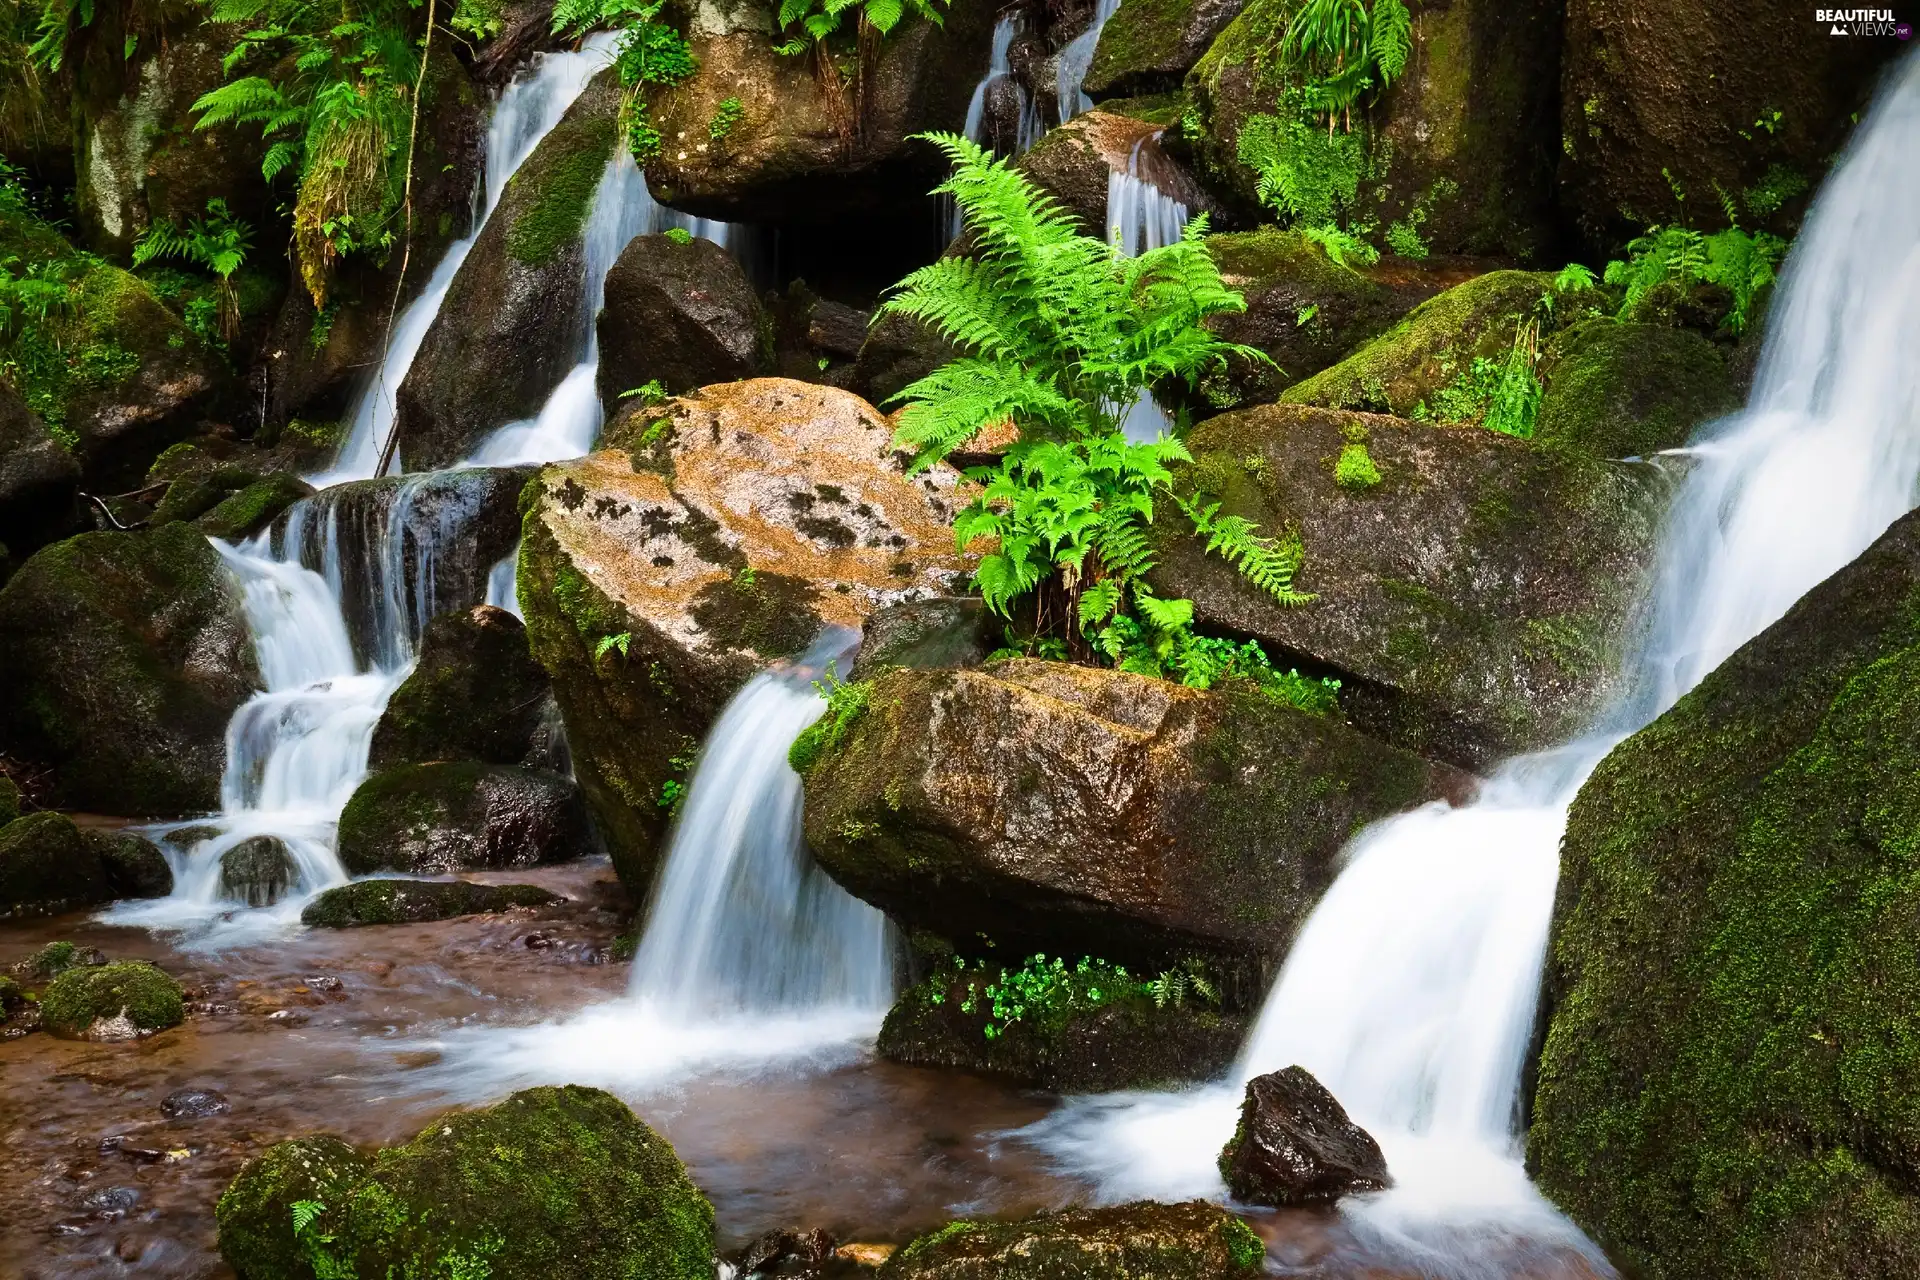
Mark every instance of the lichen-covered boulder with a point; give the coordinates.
(1473, 591)
(1096, 1030)
(1630, 390)
(1074, 162)
(507, 332)
(124, 656)
(38, 478)
(1662, 94)
(416, 902)
(257, 871)
(657, 582)
(1435, 344)
(551, 1184)
(800, 147)
(1295, 1145)
(461, 816)
(1140, 1241)
(47, 867)
(1148, 45)
(682, 315)
(475, 693)
(1724, 1089)
(121, 1001)
(1461, 149)
(1204, 824)
(1305, 311)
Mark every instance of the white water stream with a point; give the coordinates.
(1411, 992)
(1076, 58)
(1140, 217)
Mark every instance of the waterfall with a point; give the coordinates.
(1140, 217)
(569, 422)
(1076, 58)
(1029, 128)
(1411, 992)
(528, 109)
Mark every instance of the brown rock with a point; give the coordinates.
(1295, 1145)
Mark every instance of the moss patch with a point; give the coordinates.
(1630, 390)
(149, 998)
(1143, 1241)
(416, 901)
(572, 159)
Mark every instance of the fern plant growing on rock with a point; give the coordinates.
(1060, 335)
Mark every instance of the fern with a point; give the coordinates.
(1268, 563)
(217, 243)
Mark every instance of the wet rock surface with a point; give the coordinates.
(682, 315)
(414, 901)
(194, 1104)
(1073, 162)
(1630, 390)
(475, 693)
(257, 871)
(945, 631)
(1140, 1241)
(1295, 1145)
(461, 816)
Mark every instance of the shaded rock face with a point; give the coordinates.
(1148, 45)
(1073, 162)
(511, 325)
(125, 654)
(461, 816)
(1630, 390)
(1650, 87)
(47, 868)
(1140, 1241)
(681, 314)
(1076, 811)
(1295, 1145)
(561, 1181)
(1435, 343)
(798, 152)
(1466, 135)
(38, 479)
(416, 902)
(257, 871)
(945, 631)
(898, 351)
(1475, 601)
(475, 693)
(1305, 311)
(765, 511)
(1732, 967)
(134, 865)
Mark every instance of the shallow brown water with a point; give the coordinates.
(330, 1031)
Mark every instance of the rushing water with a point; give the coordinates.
(528, 109)
(1411, 992)
(1076, 58)
(1140, 217)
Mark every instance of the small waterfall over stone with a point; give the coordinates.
(1411, 992)
(986, 120)
(1140, 217)
(528, 109)
(1076, 58)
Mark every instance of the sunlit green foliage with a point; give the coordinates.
(650, 52)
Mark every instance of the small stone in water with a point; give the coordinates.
(112, 1202)
(194, 1104)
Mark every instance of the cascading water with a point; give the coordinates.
(528, 109)
(1411, 992)
(1076, 58)
(1029, 128)
(1140, 217)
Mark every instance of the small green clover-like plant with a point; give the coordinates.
(726, 117)
(679, 235)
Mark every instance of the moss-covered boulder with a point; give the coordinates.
(258, 871)
(38, 478)
(505, 335)
(803, 149)
(1432, 347)
(1147, 46)
(552, 1184)
(461, 816)
(1726, 1087)
(56, 958)
(680, 314)
(47, 867)
(1089, 1027)
(1630, 390)
(1305, 311)
(1656, 95)
(120, 1001)
(1203, 824)
(229, 502)
(125, 654)
(134, 865)
(1139, 1241)
(416, 902)
(1460, 151)
(656, 582)
(9, 800)
(1472, 591)
(475, 693)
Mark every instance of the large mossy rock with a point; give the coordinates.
(461, 815)
(38, 478)
(511, 323)
(656, 583)
(1630, 390)
(475, 693)
(1727, 1087)
(1076, 811)
(680, 314)
(1140, 1241)
(800, 151)
(124, 656)
(1466, 135)
(229, 502)
(1656, 94)
(1474, 600)
(49, 866)
(122, 1001)
(551, 1184)
(366, 902)
(1436, 343)
(1148, 45)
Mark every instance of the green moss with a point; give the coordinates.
(846, 703)
(770, 614)
(244, 513)
(1630, 390)
(1140, 46)
(1354, 468)
(1143, 1241)
(9, 800)
(148, 997)
(53, 960)
(416, 901)
(553, 196)
(255, 1212)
